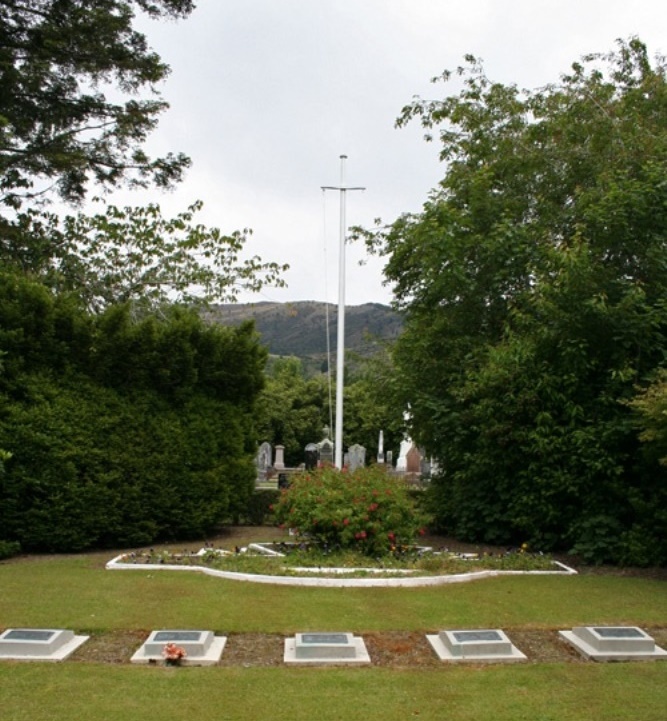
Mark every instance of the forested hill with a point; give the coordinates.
(299, 328)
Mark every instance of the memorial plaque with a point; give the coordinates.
(613, 643)
(46, 644)
(175, 636)
(481, 644)
(467, 636)
(324, 647)
(194, 643)
(202, 648)
(324, 638)
(622, 632)
(24, 634)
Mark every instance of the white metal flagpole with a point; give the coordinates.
(340, 345)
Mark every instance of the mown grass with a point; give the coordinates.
(77, 592)
(549, 692)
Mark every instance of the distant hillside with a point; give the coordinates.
(299, 329)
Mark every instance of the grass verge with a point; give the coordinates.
(613, 692)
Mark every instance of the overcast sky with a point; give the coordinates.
(265, 96)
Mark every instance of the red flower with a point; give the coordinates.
(346, 521)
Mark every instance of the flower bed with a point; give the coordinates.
(303, 562)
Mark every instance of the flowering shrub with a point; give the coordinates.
(368, 510)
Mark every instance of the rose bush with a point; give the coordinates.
(368, 509)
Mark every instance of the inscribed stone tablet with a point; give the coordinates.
(464, 636)
(177, 636)
(324, 638)
(21, 634)
(622, 632)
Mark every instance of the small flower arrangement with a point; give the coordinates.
(173, 654)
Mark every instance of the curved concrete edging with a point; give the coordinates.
(116, 564)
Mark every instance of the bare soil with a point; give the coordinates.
(391, 649)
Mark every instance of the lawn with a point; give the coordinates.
(77, 592)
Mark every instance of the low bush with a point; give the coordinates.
(368, 509)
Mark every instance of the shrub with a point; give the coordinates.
(9, 549)
(368, 509)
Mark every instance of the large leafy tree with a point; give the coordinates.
(59, 127)
(534, 282)
(134, 254)
(78, 98)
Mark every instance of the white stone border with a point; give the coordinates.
(117, 564)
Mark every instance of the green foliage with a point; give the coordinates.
(121, 432)
(58, 128)
(133, 254)
(292, 410)
(650, 405)
(534, 285)
(9, 549)
(368, 509)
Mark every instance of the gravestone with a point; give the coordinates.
(203, 648)
(279, 463)
(357, 457)
(326, 451)
(311, 456)
(320, 647)
(283, 481)
(402, 461)
(613, 643)
(380, 458)
(32, 644)
(413, 460)
(264, 460)
(475, 645)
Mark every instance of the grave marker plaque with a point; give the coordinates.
(325, 647)
(39, 644)
(475, 645)
(613, 643)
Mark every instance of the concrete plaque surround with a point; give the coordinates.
(613, 643)
(203, 648)
(325, 647)
(39, 644)
(485, 645)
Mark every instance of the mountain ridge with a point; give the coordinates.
(299, 328)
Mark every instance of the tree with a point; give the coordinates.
(134, 254)
(534, 282)
(292, 410)
(58, 129)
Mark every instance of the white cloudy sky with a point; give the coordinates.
(266, 95)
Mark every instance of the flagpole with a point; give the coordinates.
(340, 345)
